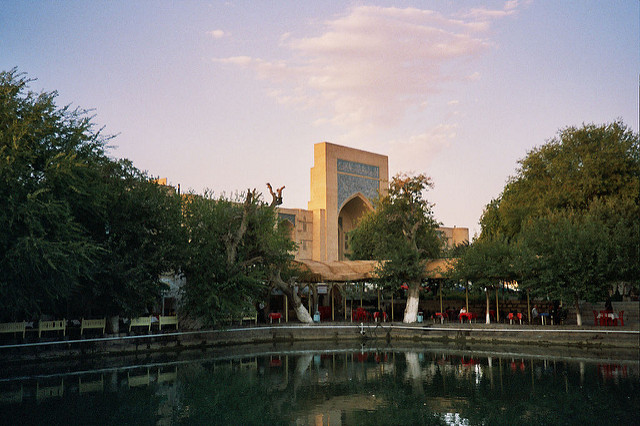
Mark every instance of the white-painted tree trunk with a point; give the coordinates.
(578, 315)
(302, 314)
(488, 317)
(413, 299)
(288, 288)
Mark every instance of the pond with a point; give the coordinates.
(324, 386)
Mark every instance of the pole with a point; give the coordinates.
(391, 307)
(333, 317)
(466, 294)
(345, 301)
(497, 310)
(286, 308)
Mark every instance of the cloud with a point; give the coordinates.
(371, 66)
(424, 146)
(483, 13)
(217, 34)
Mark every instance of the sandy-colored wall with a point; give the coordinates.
(324, 192)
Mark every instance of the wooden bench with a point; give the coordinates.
(55, 325)
(49, 391)
(13, 327)
(140, 322)
(93, 323)
(168, 320)
(91, 386)
(253, 318)
(142, 380)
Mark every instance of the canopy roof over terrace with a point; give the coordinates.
(359, 270)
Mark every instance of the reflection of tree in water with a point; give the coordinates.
(369, 386)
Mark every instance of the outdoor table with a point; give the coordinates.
(275, 315)
(543, 316)
(608, 317)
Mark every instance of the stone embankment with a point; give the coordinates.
(620, 341)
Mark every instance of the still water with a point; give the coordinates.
(324, 386)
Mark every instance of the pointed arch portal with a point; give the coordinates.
(350, 214)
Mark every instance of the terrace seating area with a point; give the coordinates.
(82, 328)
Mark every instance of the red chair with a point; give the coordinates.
(510, 316)
(378, 314)
(520, 317)
(362, 315)
(442, 316)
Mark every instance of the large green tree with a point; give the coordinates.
(567, 257)
(234, 248)
(82, 234)
(575, 197)
(486, 264)
(140, 231)
(580, 169)
(401, 233)
(46, 158)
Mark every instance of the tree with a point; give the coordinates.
(569, 258)
(486, 264)
(46, 155)
(402, 235)
(81, 233)
(141, 236)
(584, 186)
(234, 246)
(578, 170)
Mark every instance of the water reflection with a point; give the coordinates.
(364, 386)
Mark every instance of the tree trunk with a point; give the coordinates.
(488, 317)
(296, 302)
(578, 315)
(413, 299)
(466, 296)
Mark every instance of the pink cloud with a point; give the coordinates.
(372, 65)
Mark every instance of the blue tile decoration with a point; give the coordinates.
(349, 185)
(285, 216)
(359, 169)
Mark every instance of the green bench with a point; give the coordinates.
(55, 325)
(92, 324)
(13, 327)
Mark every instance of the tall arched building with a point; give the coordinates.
(344, 183)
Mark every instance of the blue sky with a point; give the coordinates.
(230, 95)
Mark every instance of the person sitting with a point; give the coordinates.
(534, 313)
(607, 305)
(463, 312)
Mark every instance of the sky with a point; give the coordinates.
(229, 95)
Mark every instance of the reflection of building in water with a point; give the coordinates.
(344, 184)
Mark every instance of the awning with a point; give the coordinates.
(360, 270)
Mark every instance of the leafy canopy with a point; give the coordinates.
(234, 244)
(82, 234)
(401, 231)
